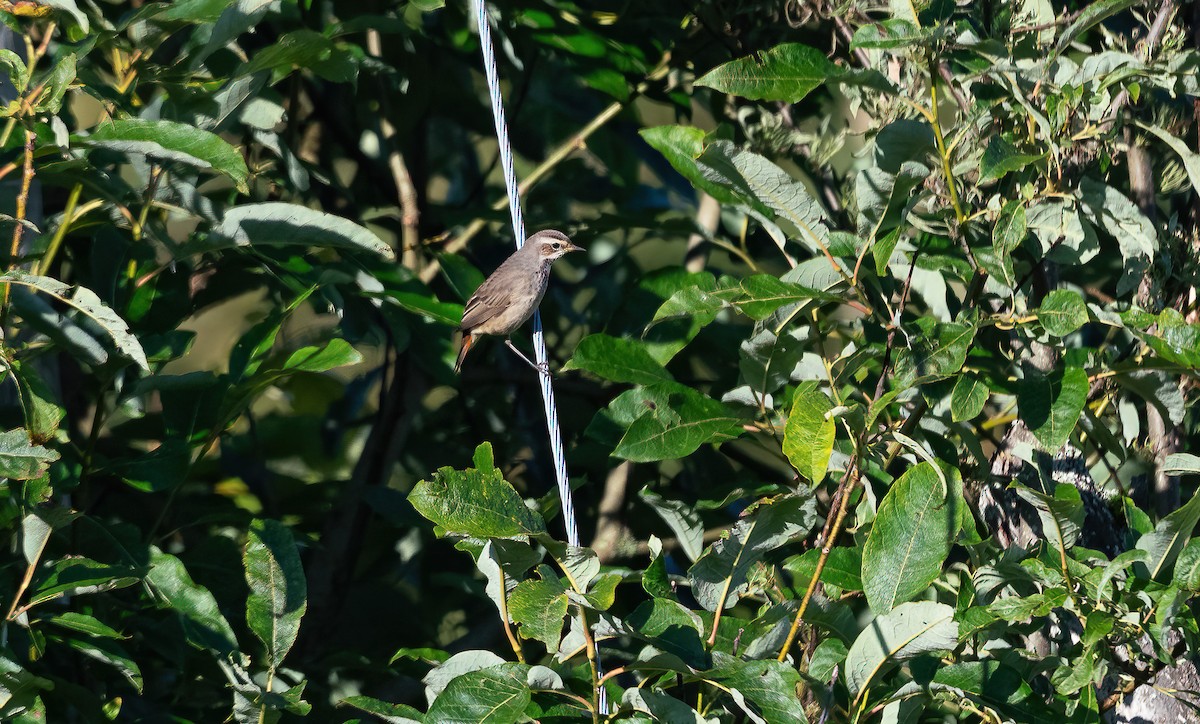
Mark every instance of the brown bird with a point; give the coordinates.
(512, 293)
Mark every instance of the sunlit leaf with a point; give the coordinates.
(173, 142)
(909, 540)
(475, 502)
(907, 631)
(787, 72)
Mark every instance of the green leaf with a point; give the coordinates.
(112, 654)
(678, 428)
(1089, 16)
(273, 223)
(1187, 567)
(787, 72)
(203, 623)
(768, 188)
(1063, 311)
(1169, 335)
(1011, 228)
(84, 623)
(909, 540)
(579, 565)
(86, 301)
(883, 249)
(1181, 464)
(904, 139)
(192, 11)
(1061, 514)
(1050, 405)
(278, 591)
(447, 313)
(79, 576)
(617, 359)
(994, 685)
(1168, 538)
(20, 459)
(336, 353)
(762, 294)
(602, 593)
(1059, 232)
(1024, 608)
(670, 627)
(683, 519)
(172, 142)
(305, 49)
(43, 412)
(969, 396)
(809, 433)
(1111, 210)
(502, 562)
(702, 302)
(1191, 160)
(766, 362)
(908, 630)
(683, 146)
(883, 197)
(74, 20)
(843, 568)
(939, 351)
(56, 83)
(889, 34)
(1114, 568)
(661, 707)
(475, 502)
(829, 653)
(1068, 680)
(14, 69)
(35, 534)
(655, 580)
(719, 576)
(1001, 158)
(496, 695)
(539, 606)
(238, 17)
(384, 711)
(767, 688)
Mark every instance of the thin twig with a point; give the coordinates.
(944, 71)
(842, 497)
(406, 191)
(41, 266)
(848, 36)
(512, 640)
(25, 581)
(22, 201)
(935, 117)
(1063, 20)
(1148, 46)
(139, 225)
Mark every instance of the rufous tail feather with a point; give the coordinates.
(467, 341)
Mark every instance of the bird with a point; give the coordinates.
(509, 297)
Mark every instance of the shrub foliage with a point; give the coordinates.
(875, 381)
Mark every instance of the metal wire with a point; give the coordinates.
(539, 342)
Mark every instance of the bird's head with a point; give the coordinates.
(550, 245)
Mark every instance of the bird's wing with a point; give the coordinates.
(487, 301)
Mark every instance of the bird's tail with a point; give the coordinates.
(468, 341)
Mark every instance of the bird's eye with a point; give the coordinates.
(556, 246)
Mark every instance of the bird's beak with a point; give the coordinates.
(573, 247)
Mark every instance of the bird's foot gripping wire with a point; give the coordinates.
(543, 367)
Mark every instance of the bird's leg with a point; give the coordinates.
(544, 367)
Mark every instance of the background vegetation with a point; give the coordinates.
(876, 381)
